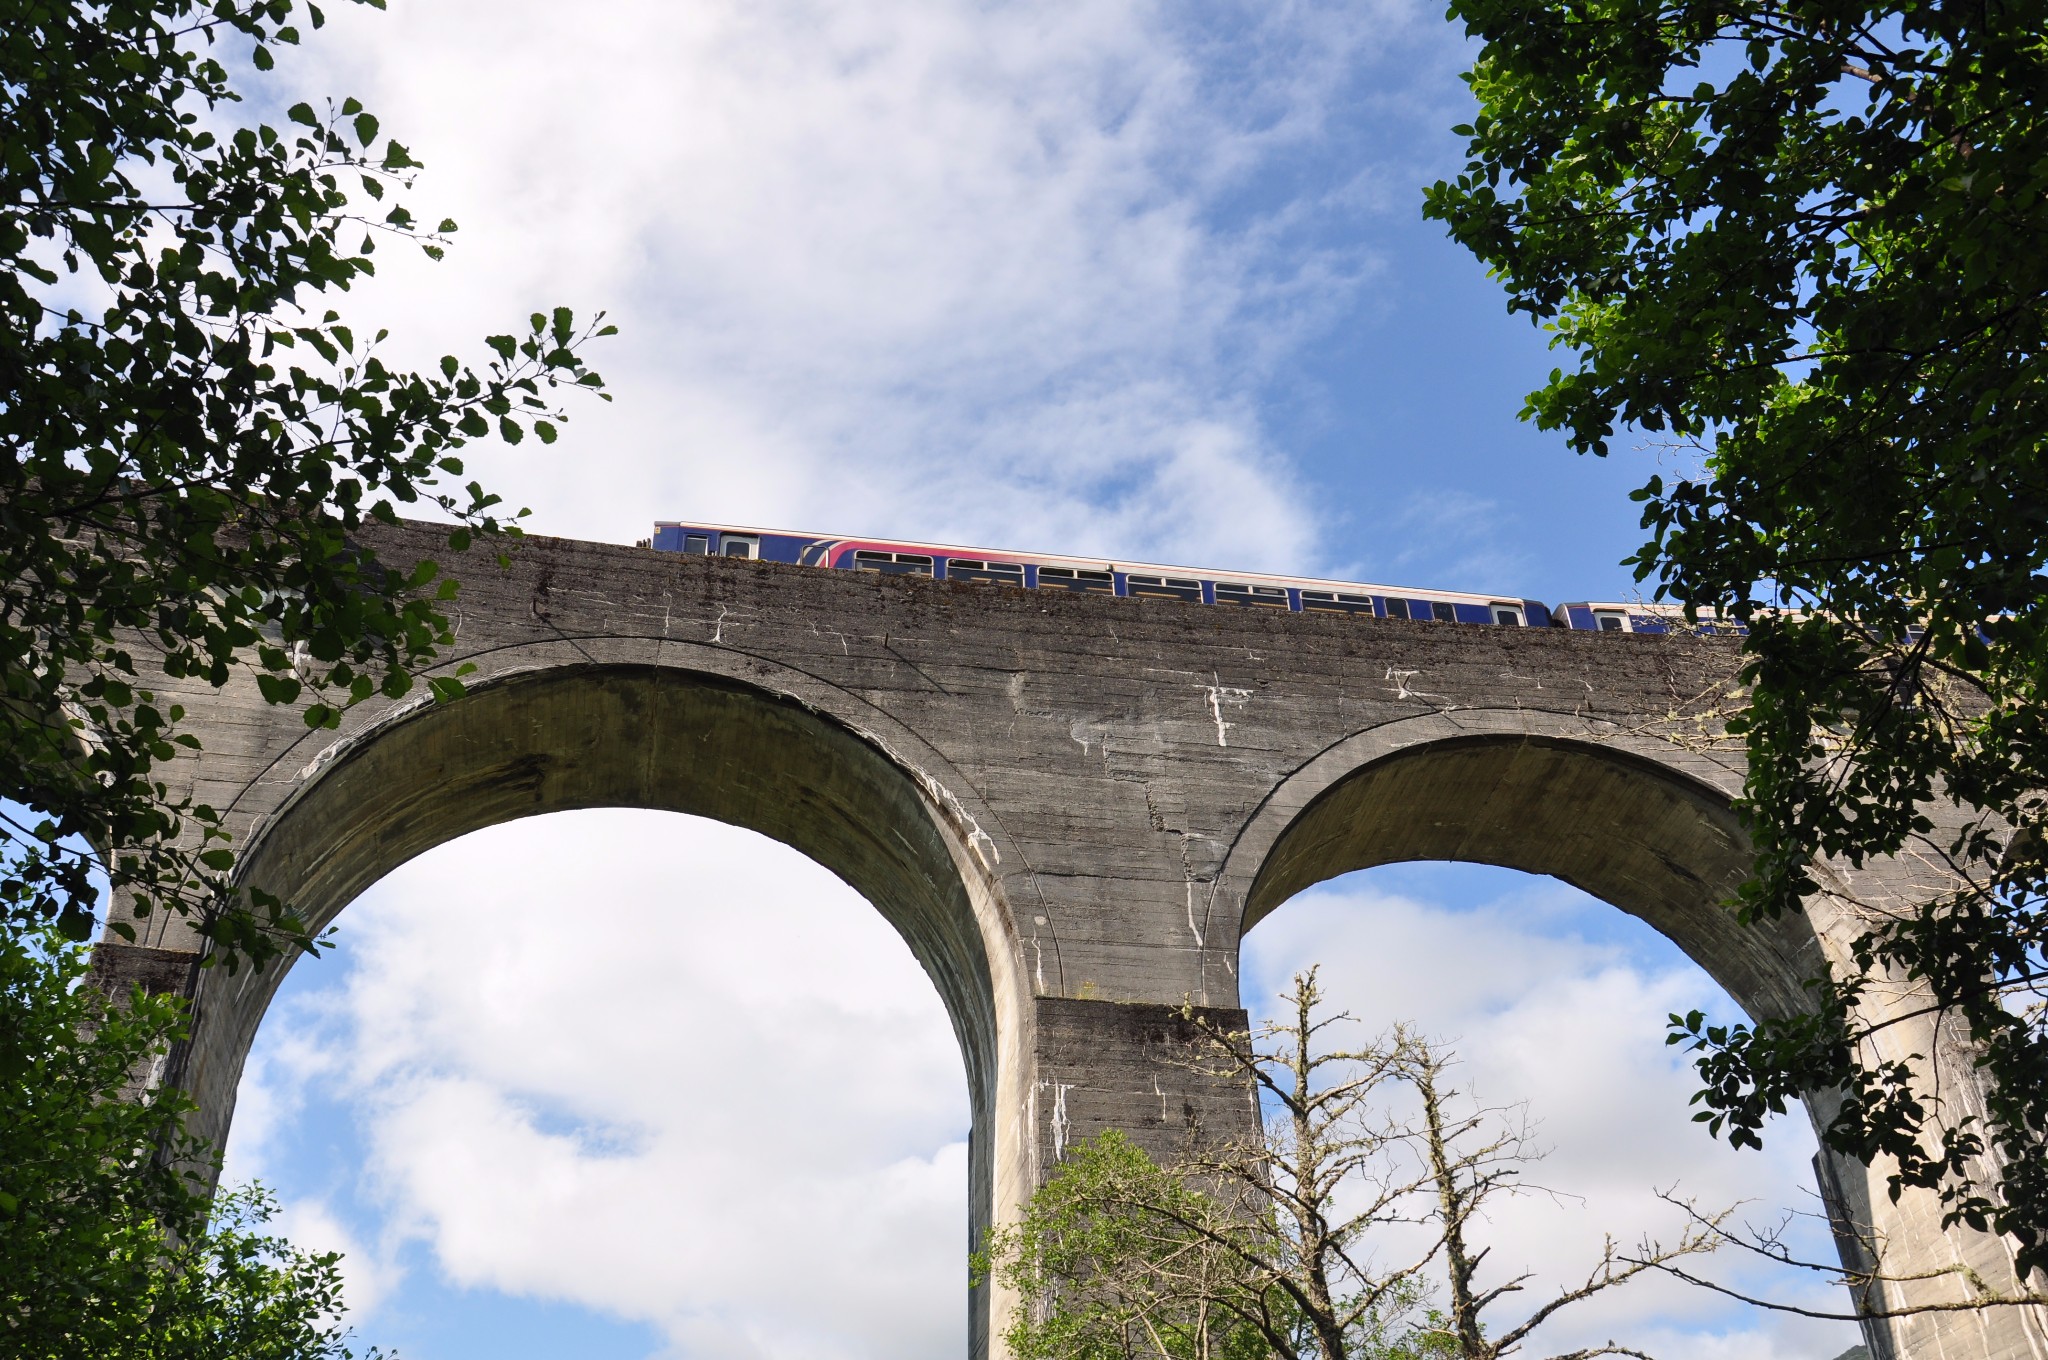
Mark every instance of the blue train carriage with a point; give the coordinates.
(1097, 576)
(1637, 617)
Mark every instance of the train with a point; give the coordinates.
(1147, 580)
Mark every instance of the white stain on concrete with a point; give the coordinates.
(1061, 1125)
(980, 842)
(843, 649)
(977, 840)
(983, 844)
(1219, 695)
(1031, 1119)
(328, 754)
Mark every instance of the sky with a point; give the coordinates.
(1100, 276)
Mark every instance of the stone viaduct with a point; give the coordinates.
(1071, 807)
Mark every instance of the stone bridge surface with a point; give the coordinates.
(1072, 808)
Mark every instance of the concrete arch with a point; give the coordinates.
(1646, 826)
(567, 737)
(1642, 825)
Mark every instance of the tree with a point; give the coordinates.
(1802, 240)
(1274, 1247)
(189, 439)
(1474, 1156)
(233, 1290)
(1118, 1257)
(106, 1250)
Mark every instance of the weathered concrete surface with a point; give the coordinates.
(1071, 807)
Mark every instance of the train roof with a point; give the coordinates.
(1104, 563)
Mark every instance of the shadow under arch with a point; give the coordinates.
(1650, 834)
(662, 738)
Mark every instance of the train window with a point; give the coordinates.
(1507, 615)
(1443, 613)
(1081, 581)
(1233, 592)
(1163, 588)
(1610, 620)
(1396, 609)
(1330, 602)
(697, 543)
(740, 547)
(984, 573)
(893, 564)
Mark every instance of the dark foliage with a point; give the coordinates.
(1803, 241)
(189, 438)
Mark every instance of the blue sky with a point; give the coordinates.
(1087, 275)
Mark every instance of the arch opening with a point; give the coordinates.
(658, 738)
(1614, 829)
(1555, 998)
(532, 1141)
(1640, 837)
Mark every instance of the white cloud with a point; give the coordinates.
(1548, 1005)
(1011, 272)
(663, 1084)
(367, 1274)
